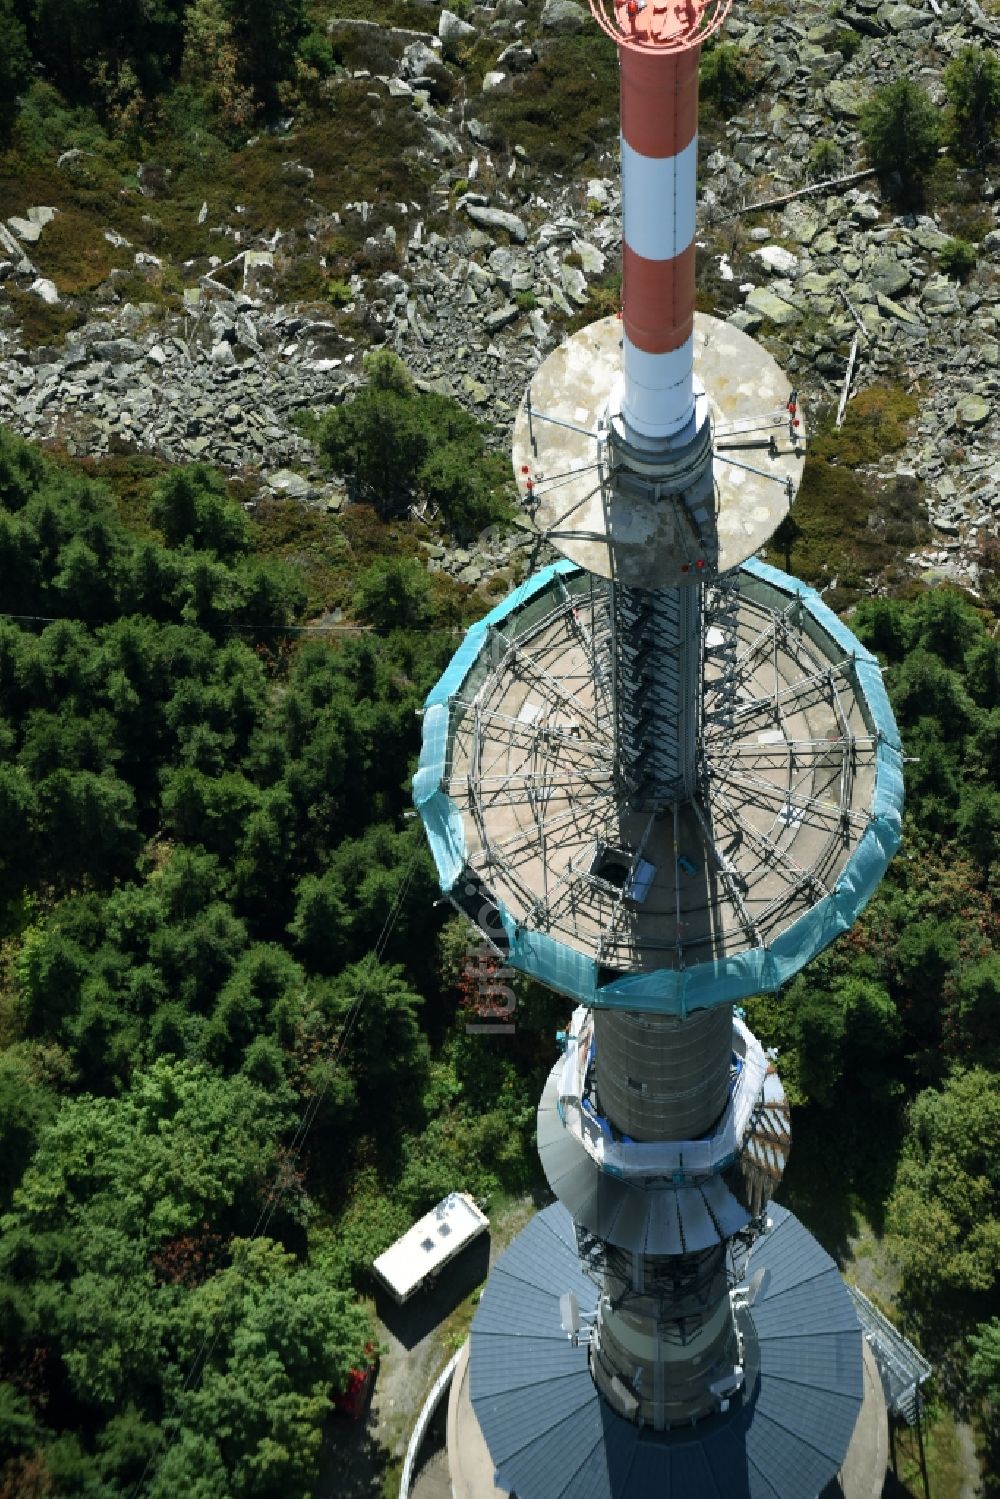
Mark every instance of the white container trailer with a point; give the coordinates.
(436, 1238)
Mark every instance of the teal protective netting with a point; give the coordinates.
(727, 980)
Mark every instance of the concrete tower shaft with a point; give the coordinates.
(660, 1077)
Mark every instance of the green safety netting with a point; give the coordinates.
(727, 980)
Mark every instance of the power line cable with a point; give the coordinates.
(201, 1359)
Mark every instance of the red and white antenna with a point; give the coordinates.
(659, 47)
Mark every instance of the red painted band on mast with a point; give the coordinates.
(659, 100)
(658, 300)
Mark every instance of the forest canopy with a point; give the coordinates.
(216, 920)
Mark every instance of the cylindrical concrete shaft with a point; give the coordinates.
(661, 1077)
(658, 657)
(666, 1371)
(659, 154)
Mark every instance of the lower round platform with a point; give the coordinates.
(469, 1463)
(550, 1436)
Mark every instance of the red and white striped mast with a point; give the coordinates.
(659, 48)
(658, 452)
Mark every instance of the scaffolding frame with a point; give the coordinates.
(531, 764)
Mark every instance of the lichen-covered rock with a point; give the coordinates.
(452, 30)
(498, 218)
(845, 98)
(890, 277)
(42, 287)
(772, 308)
(972, 411)
(563, 17)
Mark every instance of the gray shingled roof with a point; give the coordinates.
(551, 1436)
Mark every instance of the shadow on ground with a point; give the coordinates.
(841, 1162)
(354, 1461)
(410, 1323)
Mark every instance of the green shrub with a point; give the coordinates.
(900, 129)
(394, 593)
(316, 52)
(847, 42)
(339, 293)
(824, 159)
(399, 444)
(972, 80)
(957, 258)
(526, 301)
(725, 80)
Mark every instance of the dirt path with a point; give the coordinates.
(967, 1447)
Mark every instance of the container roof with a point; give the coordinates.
(433, 1240)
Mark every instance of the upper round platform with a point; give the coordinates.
(551, 1436)
(758, 457)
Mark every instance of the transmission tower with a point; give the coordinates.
(660, 777)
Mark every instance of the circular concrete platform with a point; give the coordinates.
(758, 457)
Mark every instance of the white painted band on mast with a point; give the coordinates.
(658, 201)
(658, 394)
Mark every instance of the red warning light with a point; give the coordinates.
(685, 567)
(700, 563)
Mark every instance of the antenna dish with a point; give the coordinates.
(569, 1314)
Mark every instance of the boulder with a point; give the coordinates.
(591, 258)
(29, 228)
(452, 30)
(517, 57)
(940, 295)
(492, 80)
(574, 284)
(902, 315)
(45, 289)
(889, 277)
(904, 17)
(494, 321)
(563, 17)
(845, 98)
(288, 485)
(972, 411)
(782, 262)
(418, 60)
(498, 218)
(772, 308)
(116, 350)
